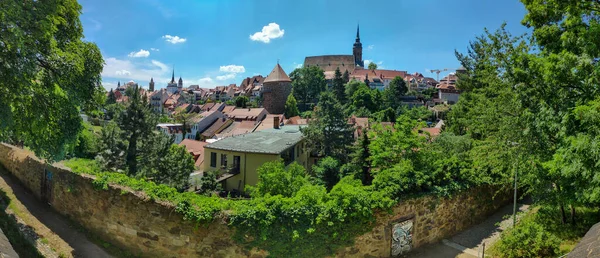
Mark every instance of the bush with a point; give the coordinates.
(528, 239)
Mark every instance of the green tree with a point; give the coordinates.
(307, 84)
(291, 107)
(112, 148)
(208, 183)
(175, 169)
(87, 143)
(338, 86)
(352, 86)
(328, 132)
(361, 158)
(275, 179)
(241, 101)
(393, 93)
(346, 77)
(48, 75)
(111, 99)
(182, 116)
(327, 172)
(372, 66)
(363, 98)
(136, 122)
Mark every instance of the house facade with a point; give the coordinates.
(238, 158)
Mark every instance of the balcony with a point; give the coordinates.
(227, 172)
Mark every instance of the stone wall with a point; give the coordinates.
(275, 95)
(431, 218)
(147, 228)
(120, 216)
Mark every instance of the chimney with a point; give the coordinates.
(276, 122)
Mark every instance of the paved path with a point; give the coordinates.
(468, 244)
(52, 233)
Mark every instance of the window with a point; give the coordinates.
(224, 160)
(213, 159)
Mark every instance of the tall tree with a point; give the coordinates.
(352, 86)
(346, 76)
(111, 99)
(47, 74)
(182, 116)
(338, 86)
(329, 133)
(327, 172)
(394, 92)
(291, 106)
(307, 84)
(112, 148)
(361, 158)
(136, 122)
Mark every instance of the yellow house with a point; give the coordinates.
(237, 158)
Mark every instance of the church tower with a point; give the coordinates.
(180, 83)
(357, 50)
(151, 86)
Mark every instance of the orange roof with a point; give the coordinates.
(246, 113)
(228, 109)
(193, 146)
(269, 121)
(384, 74)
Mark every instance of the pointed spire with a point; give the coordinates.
(358, 32)
(173, 76)
(119, 84)
(151, 79)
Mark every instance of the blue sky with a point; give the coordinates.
(217, 42)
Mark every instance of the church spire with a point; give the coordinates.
(357, 32)
(173, 76)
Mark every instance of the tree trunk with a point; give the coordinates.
(573, 220)
(563, 215)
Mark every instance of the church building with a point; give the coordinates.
(175, 87)
(329, 63)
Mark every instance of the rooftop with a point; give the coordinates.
(269, 141)
(277, 75)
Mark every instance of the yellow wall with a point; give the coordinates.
(249, 163)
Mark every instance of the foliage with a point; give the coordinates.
(183, 117)
(175, 170)
(420, 113)
(275, 179)
(48, 75)
(208, 183)
(392, 95)
(230, 102)
(386, 115)
(112, 110)
(346, 77)
(327, 172)
(291, 106)
(111, 99)
(372, 66)
(329, 133)
(528, 239)
(365, 98)
(338, 86)
(112, 148)
(136, 122)
(352, 86)
(307, 84)
(87, 143)
(360, 158)
(241, 101)
(306, 114)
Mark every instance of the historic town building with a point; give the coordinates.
(329, 63)
(276, 88)
(174, 87)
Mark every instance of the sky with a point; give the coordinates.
(218, 42)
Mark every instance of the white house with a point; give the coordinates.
(173, 130)
(199, 122)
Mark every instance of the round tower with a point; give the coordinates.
(276, 88)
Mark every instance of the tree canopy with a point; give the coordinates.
(47, 74)
(307, 84)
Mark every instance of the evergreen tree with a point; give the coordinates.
(329, 133)
(291, 107)
(338, 86)
(111, 99)
(112, 148)
(327, 172)
(360, 158)
(241, 101)
(346, 77)
(136, 122)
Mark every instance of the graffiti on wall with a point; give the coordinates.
(402, 237)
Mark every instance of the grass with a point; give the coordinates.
(8, 223)
(550, 219)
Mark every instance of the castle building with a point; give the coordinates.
(329, 63)
(276, 88)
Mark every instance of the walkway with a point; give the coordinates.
(52, 234)
(468, 244)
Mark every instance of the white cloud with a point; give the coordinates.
(141, 53)
(205, 80)
(370, 47)
(122, 72)
(226, 77)
(173, 39)
(271, 31)
(232, 69)
(154, 49)
(298, 66)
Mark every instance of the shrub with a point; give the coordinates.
(528, 239)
